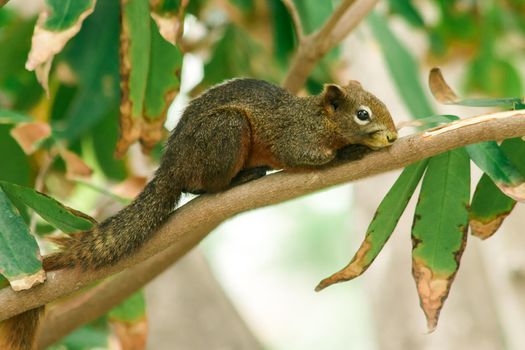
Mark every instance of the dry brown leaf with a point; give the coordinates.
(29, 135)
(75, 166)
(45, 44)
(439, 87)
(27, 282)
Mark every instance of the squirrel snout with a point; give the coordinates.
(391, 136)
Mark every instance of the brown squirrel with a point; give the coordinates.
(232, 133)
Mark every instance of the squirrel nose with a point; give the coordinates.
(391, 137)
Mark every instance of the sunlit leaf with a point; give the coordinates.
(19, 254)
(440, 228)
(385, 220)
(58, 215)
(55, 26)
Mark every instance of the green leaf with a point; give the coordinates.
(13, 117)
(492, 160)
(407, 9)
(439, 229)
(284, 39)
(19, 87)
(65, 13)
(234, 55)
(19, 255)
(93, 58)
(385, 220)
(163, 80)
(131, 310)
(19, 170)
(402, 66)
(105, 136)
(150, 78)
(63, 218)
(91, 336)
(489, 205)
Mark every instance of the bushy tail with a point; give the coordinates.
(121, 234)
(19, 332)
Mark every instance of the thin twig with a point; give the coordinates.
(344, 19)
(193, 221)
(292, 10)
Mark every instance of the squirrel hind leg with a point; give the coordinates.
(218, 153)
(247, 175)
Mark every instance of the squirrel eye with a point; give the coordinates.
(363, 115)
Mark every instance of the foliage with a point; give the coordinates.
(95, 78)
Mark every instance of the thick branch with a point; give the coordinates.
(192, 222)
(344, 19)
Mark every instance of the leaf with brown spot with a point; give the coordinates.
(489, 205)
(150, 78)
(20, 260)
(30, 135)
(385, 220)
(169, 17)
(444, 94)
(59, 22)
(440, 229)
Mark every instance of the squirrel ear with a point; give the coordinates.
(355, 83)
(333, 95)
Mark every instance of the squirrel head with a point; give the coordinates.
(358, 116)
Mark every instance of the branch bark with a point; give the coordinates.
(192, 222)
(313, 47)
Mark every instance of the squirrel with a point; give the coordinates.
(233, 133)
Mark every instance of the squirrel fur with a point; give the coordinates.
(232, 133)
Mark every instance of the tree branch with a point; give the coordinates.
(193, 221)
(296, 19)
(313, 47)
